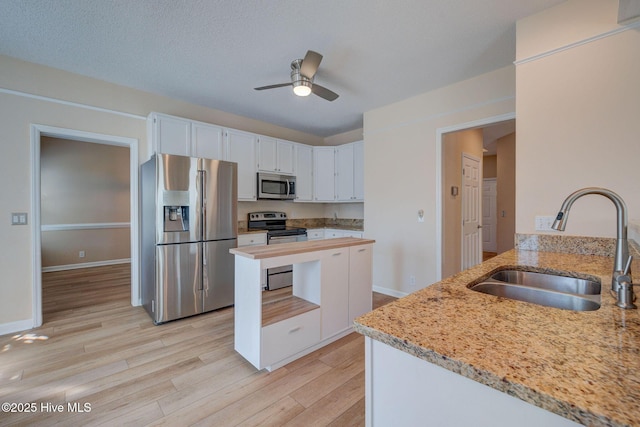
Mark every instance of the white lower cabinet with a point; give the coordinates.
(252, 239)
(360, 280)
(334, 296)
(334, 234)
(403, 390)
(282, 339)
(315, 234)
(330, 288)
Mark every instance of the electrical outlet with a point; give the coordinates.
(81, 254)
(544, 223)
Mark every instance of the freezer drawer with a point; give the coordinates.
(178, 282)
(218, 274)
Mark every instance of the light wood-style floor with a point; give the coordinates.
(98, 353)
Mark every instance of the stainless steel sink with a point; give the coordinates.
(550, 290)
(553, 282)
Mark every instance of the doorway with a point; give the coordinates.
(471, 208)
(39, 131)
(489, 216)
(479, 139)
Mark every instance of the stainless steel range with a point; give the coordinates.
(275, 224)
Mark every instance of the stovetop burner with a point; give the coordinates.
(275, 223)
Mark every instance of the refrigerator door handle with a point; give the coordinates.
(203, 185)
(203, 271)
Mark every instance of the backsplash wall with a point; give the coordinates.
(303, 210)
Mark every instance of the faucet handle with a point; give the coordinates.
(625, 297)
(627, 267)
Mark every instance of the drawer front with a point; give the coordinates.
(283, 339)
(252, 239)
(315, 234)
(357, 234)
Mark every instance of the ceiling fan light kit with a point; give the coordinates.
(302, 73)
(301, 84)
(302, 87)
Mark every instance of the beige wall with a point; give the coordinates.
(489, 167)
(454, 145)
(33, 94)
(401, 173)
(83, 183)
(578, 104)
(506, 199)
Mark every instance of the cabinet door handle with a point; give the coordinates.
(361, 250)
(337, 254)
(296, 329)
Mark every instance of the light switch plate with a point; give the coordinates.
(18, 218)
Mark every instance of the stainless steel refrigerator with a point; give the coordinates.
(189, 223)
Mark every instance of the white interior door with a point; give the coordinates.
(471, 201)
(489, 215)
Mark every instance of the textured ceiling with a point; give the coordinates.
(214, 52)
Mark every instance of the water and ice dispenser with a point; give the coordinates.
(176, 218)
(176, 210)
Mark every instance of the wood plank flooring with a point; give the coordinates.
(97, 353)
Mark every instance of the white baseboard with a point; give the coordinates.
(86, 265)
(11, 327)
(390, 292)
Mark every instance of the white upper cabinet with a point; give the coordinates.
(285, 157)
(358, 171)
(182, 137)
(350, 172)
(275, 155)
(323, 174)
(324, 189)
(344, 172)
(207, 141)
(170, 135)
(303, 171)
(241, 148)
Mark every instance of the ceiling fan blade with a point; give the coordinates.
(273, 86)
(310, 64)
(323, 92)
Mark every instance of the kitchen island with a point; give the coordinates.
(448, 355)
(332, 285)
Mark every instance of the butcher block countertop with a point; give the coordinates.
(584, 366)
(293, 248)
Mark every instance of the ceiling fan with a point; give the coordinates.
(302, 72)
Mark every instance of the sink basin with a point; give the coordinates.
(551, 282)
(550, 290)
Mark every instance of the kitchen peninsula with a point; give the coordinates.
(332, 285)
(461, 357)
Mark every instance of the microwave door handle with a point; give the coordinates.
(288, 188)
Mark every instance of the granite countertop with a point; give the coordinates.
(584, 366)
(311, 223)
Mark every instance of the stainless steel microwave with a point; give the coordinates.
(274, 186)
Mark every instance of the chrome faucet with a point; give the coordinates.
(621, 283)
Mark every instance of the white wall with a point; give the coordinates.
(578, 107)
(402, 150)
